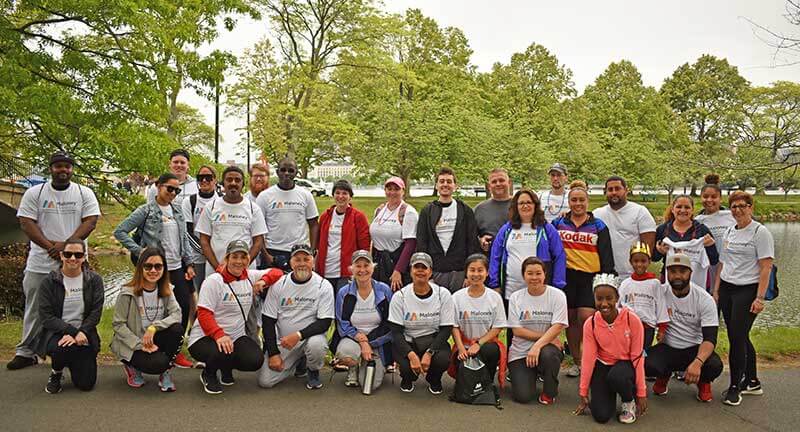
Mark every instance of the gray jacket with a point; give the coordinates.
(127, 323)
(153, 229)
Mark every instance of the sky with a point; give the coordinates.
(585, 36)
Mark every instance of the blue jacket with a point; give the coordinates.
(149, 216)
(549, 249)
(379, 339)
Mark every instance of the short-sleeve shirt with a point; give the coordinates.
(520, 244)
(365, 317)
(537, 313)
(286, 213)
(58, 214)
(741, 250)
(421, 317)
(624, 226)
(297, 305)
(475, 316)
(151, 308)
(72, 312)
(490, 215)
(172, 238)
(387, 233)
(646, 299)
(554, 205)
(446, 226)
(193, 215)
(717, 223)
(226, 222)
(688, 316)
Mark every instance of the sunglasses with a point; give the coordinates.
(173, 189)
(68, 255)
(151, 267)
(205, 177)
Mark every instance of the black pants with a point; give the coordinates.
(649, 333)
(169, 342)
(490, 356)
(280, 259)
(337, 283)
(439, 362)
(509, 332)
(662, 360)
(735, 302)
(246, 355)
(385, 263)
(523, 378)
(81, 361)
(608, 382)
(183, 290)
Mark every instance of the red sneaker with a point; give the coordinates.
(182, 362)
(545, 399)
(704, 392)
(660, 386)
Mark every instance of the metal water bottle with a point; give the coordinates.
(369, 377)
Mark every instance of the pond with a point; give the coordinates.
(784, 311)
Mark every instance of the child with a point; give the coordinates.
(644, 294)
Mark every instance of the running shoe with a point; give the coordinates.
(628, 412)
(20, 362)
(544, 399)
(314, 383)
(210, 383)
(182, 362)
(753, 387)
(391, 369)
(574, 371)
(406, 385)
(133, 375)
(165, 382)
(54, 382)
(732, 396)
(661, 386)
(704, 392)
(435, 387)
(226, 377)
(679, 375)
(352, 378)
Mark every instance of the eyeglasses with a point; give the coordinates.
(739, 206)
(258, 176)
(150, 267)
(205, 177)
(173, 189)
(68, 255)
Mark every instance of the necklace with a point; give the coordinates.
(560, 206)
(144, 306)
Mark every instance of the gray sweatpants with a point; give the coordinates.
(314, 350)
(350, 348)
(31, 323)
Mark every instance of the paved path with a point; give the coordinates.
(112, 406)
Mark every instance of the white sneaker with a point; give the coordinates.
(628, 414)
(352, 377)
(574, 371)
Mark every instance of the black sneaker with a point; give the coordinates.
(752, 387)
(435, 387)
(54, 383)
(301, 370)
(20, 362)
(406, 385)
(732, 396)
(226, 377)
(210, 383)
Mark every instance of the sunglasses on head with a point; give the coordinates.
(173, 189)
(150, 267)
(205, 177)
(68, 255)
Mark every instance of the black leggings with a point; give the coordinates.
(735, 302)
(607, 383)
(439, 362)
(523, 378)
(81, 361)
(182, 290)
(246, 356)
(649, 333)
(662, 360)
(490, 356)
(168, 341)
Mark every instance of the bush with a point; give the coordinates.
(12, 265)
(134, 201)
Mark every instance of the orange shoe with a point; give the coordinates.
(704, 392)
(660, 386)
(182, 362)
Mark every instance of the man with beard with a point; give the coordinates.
(555, 202)
(228, 218)
(295, 317)
(49, 214)
(491, 214)
(259, 181)
(178, 165)
(290, 214)
(627, 223)
(689, 342)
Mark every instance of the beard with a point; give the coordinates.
(302, 274)
(679, 284)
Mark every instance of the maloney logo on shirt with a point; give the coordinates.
(444, 221)
(229, 296)
(282, 204)
(466, 315)
(414, 316)
(527, 315)
(50, 204)
(291, 301)
(523, 235)
(680, 313)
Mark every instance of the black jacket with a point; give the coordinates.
(465, 237)
(51, 307)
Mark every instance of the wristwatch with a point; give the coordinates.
(430, 351)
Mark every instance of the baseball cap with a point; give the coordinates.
(396, 180)
(237, 246)
(558, 167)
(296, 249)
(421, 258)
(361, 254)
(61, 156)
(679, 259)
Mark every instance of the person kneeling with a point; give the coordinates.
(296, 315)
(70, 305)
(147, 322)
(612, 361)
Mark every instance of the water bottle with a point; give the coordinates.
(369, 376)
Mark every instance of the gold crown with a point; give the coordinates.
(641, 247)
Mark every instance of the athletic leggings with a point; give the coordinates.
(246, 355)
(81, 361)
(735, 302)
(439, 362)
(649, 333)
(168, 341)
(608, 382)
(182, 290)
(523, 378)
(663, 359)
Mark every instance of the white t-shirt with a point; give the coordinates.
(475, 316)
(624, 226)
(520, 244)
(58, 214)
(717, 223)
(172, 239)
(741, 250)
(365, 317)
(333, 260)
(537, 313)
(194, 216)
(696, 252)
(422, 317)
(646, 299)
(446, 226)
(151, 308)
(286, 213)
(72, 313)
(554, 205)
(688, 316)
(189, 187)
(386, 232)
(226, 222)
(296, 306)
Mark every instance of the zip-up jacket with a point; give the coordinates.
(148, 217)
(588, 247)
(380, 339)
(465, 236)
(548, 249)
(355, 236)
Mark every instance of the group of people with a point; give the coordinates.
(254, 281)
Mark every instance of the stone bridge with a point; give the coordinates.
(11, 194)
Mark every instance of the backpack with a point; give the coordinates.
(474, 386)
(401, 212)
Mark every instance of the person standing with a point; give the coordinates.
(448, 232)
(627, 223)
(555, 202)
(49, 214)
(178, 165)
(290, 214)
(394, 235)
(259, 181)
(193, 208)
(491, 214)
(717, 218)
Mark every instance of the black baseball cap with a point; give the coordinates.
(61, 156)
